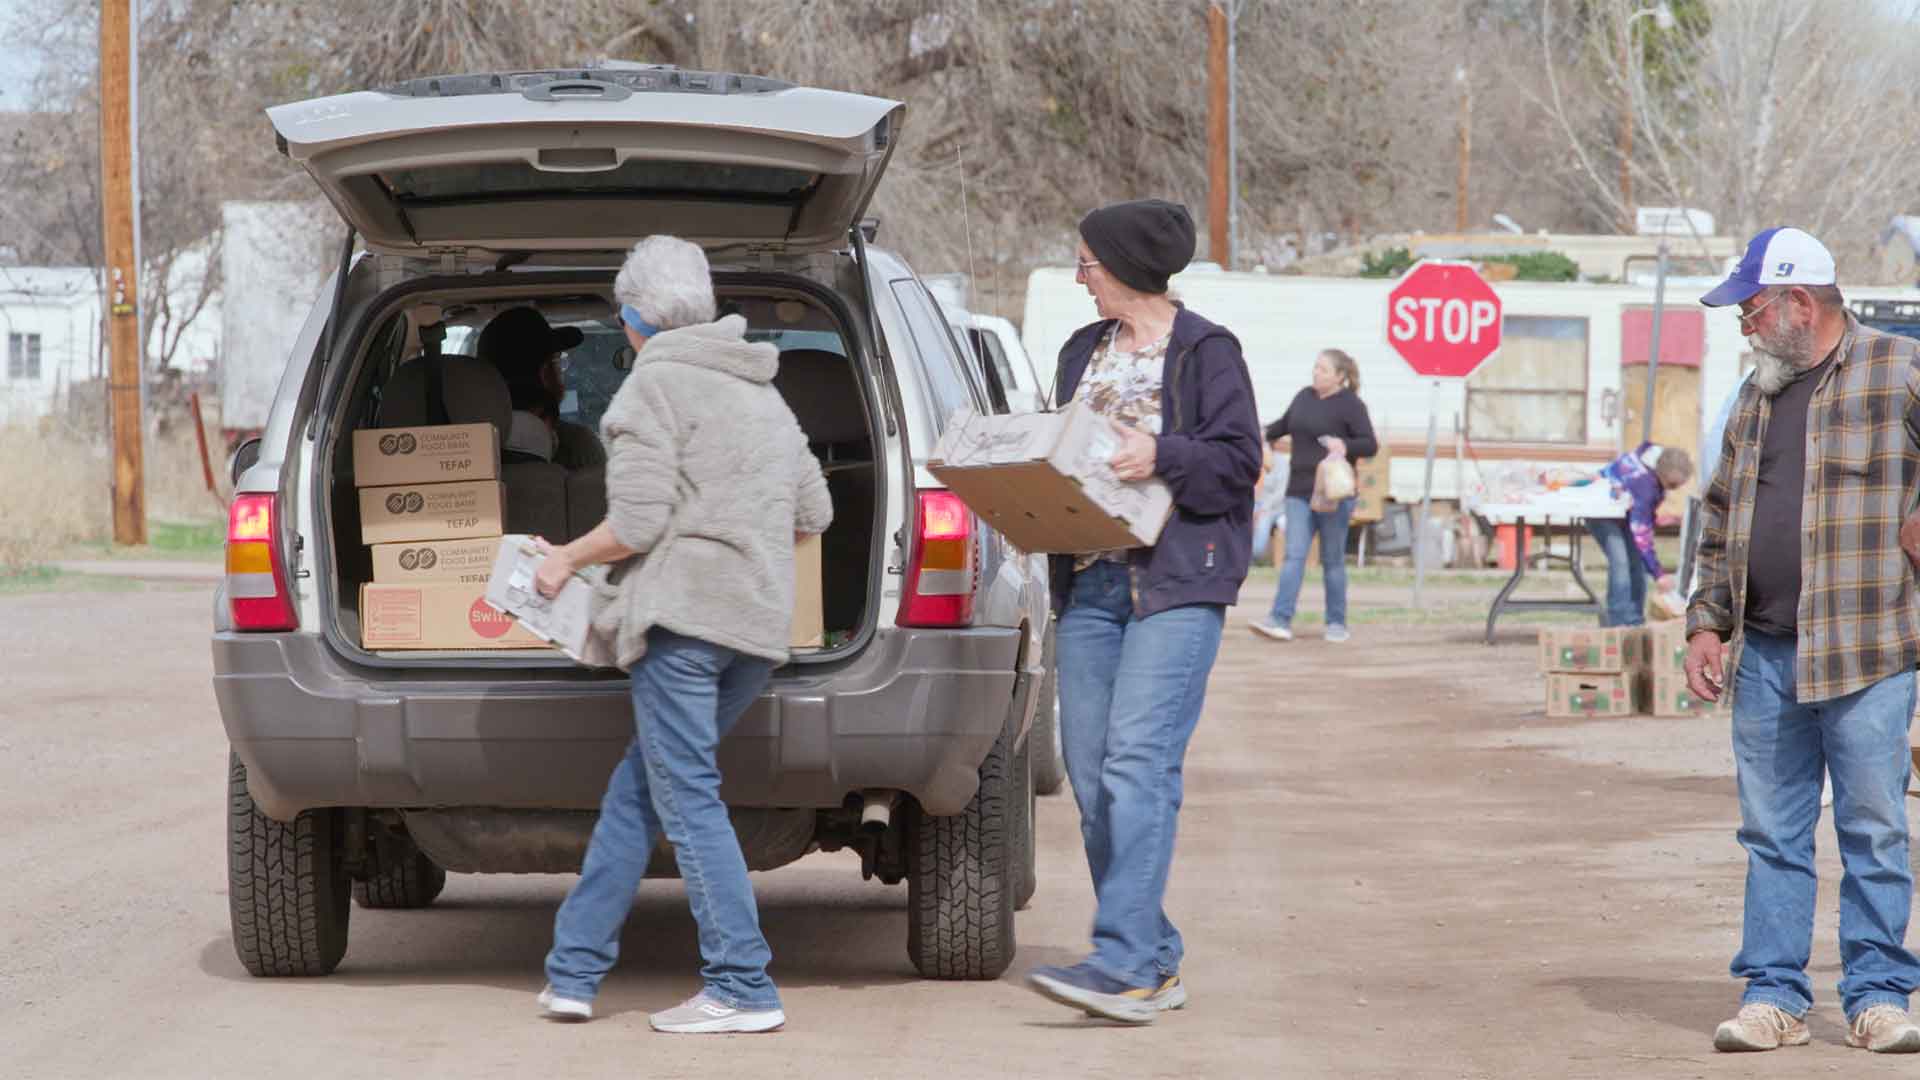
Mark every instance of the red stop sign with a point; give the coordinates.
(1444, 319)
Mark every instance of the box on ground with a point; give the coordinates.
(1593, 693)
(437, 615)
(564, 619)
(1592, 648)
(470, 561)
(1666, 651)
(1665, 694)
(390, 515)
(1043, 480)
(440, 453)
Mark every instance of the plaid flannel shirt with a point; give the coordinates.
(1859, 613)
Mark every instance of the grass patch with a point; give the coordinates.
(45, 579)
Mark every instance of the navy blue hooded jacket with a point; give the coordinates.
(1208, 453)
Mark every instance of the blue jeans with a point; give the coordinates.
(1130, 696)
(1780, 748)
(1265, 516)
(1626, 574)
(687, 694)
(1303, 523)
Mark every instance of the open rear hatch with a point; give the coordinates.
(593, 160)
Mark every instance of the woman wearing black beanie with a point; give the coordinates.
(1138, 629)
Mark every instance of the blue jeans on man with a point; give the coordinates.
(687, 694)
(1130, 696)
(1303, 524)
(1781, 748)
(1626, 575)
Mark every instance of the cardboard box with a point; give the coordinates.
(470, 561)
(1666, 649)
(391, 515)
(1592, 648)
(442, 615)
(563, 620)
(809, 607)
(1594, 694)
(441, 453)
(1665, 694)
(1042, 480)
(1371, 482)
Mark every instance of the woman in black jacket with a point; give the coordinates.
(1326, 419)
(1138, 629)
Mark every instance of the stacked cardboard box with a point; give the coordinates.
(1593, 671)
(1665, 672)
(432, 508)
(1370, 486)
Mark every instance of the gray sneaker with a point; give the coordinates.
(702, 1015)
(1885, 1029)
(1271, 630)
(1337, 633)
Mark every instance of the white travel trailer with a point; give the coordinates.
(1566, 388)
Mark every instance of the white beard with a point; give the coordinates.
(1779, 360)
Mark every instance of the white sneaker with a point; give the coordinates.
(1337, 633)
(1759, 1026)
(565, 1010)
(701, 1015)
(1271, 630)
(1885, 1029)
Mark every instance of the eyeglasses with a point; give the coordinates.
(1086, 264)
(1746, 318)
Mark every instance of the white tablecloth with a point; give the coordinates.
(1561, 504)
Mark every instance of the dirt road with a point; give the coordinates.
(1390, 865)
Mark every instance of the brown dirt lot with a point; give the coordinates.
(1391, 864)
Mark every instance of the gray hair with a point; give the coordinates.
(667, 280)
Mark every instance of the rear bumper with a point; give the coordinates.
(917, 710)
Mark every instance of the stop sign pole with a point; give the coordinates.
(1444, 321)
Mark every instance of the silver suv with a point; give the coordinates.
(374, 773)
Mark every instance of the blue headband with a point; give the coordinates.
(631, 316)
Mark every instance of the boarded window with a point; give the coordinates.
(23, 356)
(1535, 388)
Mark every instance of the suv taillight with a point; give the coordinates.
(940, 566)
(256, 575)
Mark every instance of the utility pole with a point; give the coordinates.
(121, 270)
(1218, 136)
(1462, 183)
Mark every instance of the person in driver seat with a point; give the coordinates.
(526, 351)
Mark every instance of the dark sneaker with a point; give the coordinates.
(566, 1010)
(702, 1015)
(1081, 987)
(1885, 1029)
(1759, 1026)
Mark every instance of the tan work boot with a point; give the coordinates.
(1759, 1026)
(1885, 1029)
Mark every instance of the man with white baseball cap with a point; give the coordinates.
(1801, 574)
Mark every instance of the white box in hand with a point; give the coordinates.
(562, 620)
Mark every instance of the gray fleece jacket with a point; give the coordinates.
(708, 478)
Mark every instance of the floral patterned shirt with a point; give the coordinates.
(1123, 386)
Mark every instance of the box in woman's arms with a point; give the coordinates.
(1045, 480)
(563, 619)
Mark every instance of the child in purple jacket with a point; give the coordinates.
(1647, 474)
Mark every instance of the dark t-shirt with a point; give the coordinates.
(1773, 561)
(1311, 416)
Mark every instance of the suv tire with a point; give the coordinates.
(961, 878)
(286, 888)
(399, 875)
(1049, 766)
(1025, 859)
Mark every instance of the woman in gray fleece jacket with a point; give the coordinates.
(709, 485)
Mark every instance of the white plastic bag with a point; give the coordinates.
(1333, 480)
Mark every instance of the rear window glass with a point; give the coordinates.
(653, 178)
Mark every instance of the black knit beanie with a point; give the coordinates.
(1143, 243)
